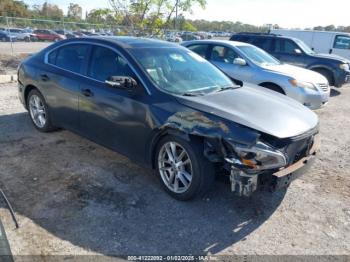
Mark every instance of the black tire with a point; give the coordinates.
(48, 127)
(274, 87)
(327, 74)
(203, 172)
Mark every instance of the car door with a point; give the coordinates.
(60, 81)
(288, 52)
(341, 46)
(113, 116)
(223, 57)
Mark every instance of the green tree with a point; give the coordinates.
(13, 8)
(152, 14)
(75, 11)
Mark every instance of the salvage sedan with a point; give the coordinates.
(166, 107)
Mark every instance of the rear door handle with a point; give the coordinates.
(87, 92)
(44, 77)
(330, 51)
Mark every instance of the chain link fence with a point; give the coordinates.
(40, 32)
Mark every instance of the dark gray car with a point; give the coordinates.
(168, 109)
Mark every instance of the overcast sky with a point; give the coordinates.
(286, 13)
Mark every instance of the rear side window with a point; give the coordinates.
(70, 57)
(342, 42)
(285, 46)
(105, 63)
(199, 49)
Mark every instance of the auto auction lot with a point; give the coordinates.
(74, 197)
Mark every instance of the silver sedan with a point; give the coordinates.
(249, 63)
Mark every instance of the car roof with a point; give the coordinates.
(128, 42)
(226, 42)
(265, 36)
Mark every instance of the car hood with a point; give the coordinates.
(333, 57)
(297, 73)
(263, 110)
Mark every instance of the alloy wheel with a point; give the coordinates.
(37, 111)
(175, 167)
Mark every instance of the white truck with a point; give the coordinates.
(327, 42)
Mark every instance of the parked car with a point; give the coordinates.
(337, 43)
(48, 35)
(189, 36)
(251, 64)
(168, 108)
(65, 33)
(6, 37)
(294, 51)
(19, 34)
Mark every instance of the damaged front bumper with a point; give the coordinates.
(244, 183)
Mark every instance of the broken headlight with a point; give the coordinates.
(257, 157)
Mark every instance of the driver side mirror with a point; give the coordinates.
(298, 51)
(122, 82)
(240, 62)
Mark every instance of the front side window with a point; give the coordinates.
(258, 56)
(263, 43)
(199, 49)
(342, 42)
(285, 46)
(105, 63)
(180, 71)
(223, 54)
(70, 57)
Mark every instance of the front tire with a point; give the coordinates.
(183, 170)
(39, 111)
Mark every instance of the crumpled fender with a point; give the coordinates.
(213, 129)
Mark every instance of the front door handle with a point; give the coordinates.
(87, 92)
(330, 51)
(44, 77)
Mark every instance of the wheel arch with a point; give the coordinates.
(157, 136)
(268, 83)
(325, 68)
(27, 90)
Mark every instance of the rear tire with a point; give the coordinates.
(190, 174)
(327, 74)
(39, 111)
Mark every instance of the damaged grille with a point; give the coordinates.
(298, 149)
(295, 148)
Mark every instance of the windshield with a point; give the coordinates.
(258, 56)
(304, 47)
(180, 71)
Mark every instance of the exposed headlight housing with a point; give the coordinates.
(257, 157)
(344, 67)
(302, 84)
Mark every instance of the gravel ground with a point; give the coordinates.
(74, 197)
(22, 47)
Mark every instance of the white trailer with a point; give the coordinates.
(327, 42)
